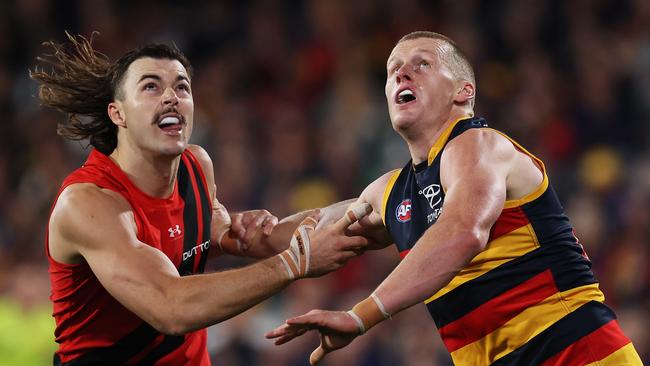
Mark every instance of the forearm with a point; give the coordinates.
(436, 258)
(202, 300)
(416, 277)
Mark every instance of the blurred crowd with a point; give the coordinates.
(289, 102)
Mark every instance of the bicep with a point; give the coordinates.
(473, 173)
(101, 229)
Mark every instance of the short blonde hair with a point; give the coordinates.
(455, 61)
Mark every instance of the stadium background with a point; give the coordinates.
(289, 103)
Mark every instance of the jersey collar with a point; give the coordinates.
(442, 140)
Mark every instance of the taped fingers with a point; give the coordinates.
(359, 211)
(352, 215)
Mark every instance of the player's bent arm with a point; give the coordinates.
(99, 226)
(474, 170)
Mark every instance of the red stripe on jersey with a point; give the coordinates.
(403, 253)
(591, 348)
(199, 217)
(509, 220)
(496, 312)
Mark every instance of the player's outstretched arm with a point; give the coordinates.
(252, 233)
(474, 172)
(97, 226)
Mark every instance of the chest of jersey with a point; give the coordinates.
(178, 226)
(416, 198)
(417, 204)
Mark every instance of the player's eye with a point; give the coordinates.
(149, 86)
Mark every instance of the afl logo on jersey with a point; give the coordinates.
(403, 211)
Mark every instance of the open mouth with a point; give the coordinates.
(171, 123)
(405, 96)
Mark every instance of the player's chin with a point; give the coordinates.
(402, 120)
(173, 149)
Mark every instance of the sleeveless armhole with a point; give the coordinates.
(541, 188)
(199, 168)
(389, 187)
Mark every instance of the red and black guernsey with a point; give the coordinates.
(530, 297)
(92, 328)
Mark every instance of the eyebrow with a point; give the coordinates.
(424, 50)
(157, 77)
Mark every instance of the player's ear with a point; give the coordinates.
(116, 113)
(465, 93)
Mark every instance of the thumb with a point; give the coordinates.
(317, 356)
(352, 215)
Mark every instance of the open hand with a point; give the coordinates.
(337, 329)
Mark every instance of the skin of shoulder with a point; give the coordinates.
(486, 148)
(374, 194)
(77, 220)
(206, 164)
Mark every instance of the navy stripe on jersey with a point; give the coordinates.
(117, 354)
(206, 216)
(189, 217)
(584, 320)
(547, 217)
(470, 295)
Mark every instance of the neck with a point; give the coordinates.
(154, 175)
(421, 140)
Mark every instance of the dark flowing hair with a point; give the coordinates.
(83, 81)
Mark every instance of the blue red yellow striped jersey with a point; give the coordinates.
(530, 297)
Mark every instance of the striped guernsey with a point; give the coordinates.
(530, 297)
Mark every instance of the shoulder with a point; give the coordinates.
(85, 216)
(82, 196)
(376, 193)
(375, 190)
(479, 145)
(204, 160)
(199, 153)
(201, 156)
(83, 207)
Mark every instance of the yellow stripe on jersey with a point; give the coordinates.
(626, 356)
(541, 188)
(387, 190)
(442, 140)
(526, 325)
(497, 252)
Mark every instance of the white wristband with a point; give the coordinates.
(360, 326)
(380, 305)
